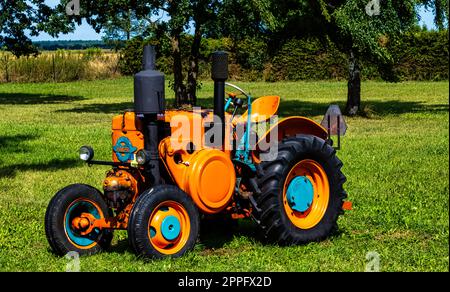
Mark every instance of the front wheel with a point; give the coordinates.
(302, 192)
(164, 222)
(67, 221)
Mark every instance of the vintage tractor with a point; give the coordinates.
(173, 168)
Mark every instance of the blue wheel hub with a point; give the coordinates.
(75, 211)
(300, 194)
(170, 228)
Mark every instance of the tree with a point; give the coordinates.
(174, 18)
(236, 19)
(440, 10)
(199, 15)
(359, 28)
(18, 21)
(240, 21)
(362, 28)
(124, 26)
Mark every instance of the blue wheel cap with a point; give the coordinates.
(170, 228)
(78, 208)
(300, 194)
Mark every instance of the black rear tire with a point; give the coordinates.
(140, 222)
(55, 225)
(276, 227)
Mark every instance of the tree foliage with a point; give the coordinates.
(440, 11)
(165, 18)
(123, 27)
(359, 28)
(237, 19)
(17, 18)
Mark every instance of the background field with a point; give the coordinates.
(416, 56)
(59, 66)
(396, 160)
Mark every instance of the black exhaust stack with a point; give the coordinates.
(149, 86)
(149, 101)
(219, 74)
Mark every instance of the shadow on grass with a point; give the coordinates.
(108, 108)
(375, 108)
(307, 109)
(14, 144)
(213, 237)
(397, 107)
(10, 171)
(122, 246)
(296, 107)
(33, 99)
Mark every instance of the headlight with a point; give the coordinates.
(86, 153)
(142, 157)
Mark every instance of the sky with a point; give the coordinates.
(85, 32)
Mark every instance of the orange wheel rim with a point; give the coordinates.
(169, 227)
(315, 175)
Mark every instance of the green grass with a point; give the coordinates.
(396, 162)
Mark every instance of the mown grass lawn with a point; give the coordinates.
(396, 161)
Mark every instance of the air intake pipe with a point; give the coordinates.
(219, 74)
(149, 101)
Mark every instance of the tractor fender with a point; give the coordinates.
(290, 127)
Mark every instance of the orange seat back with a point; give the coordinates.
(263, 109)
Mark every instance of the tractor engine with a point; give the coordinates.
(197, 170)
(137, 131)
(119, 187)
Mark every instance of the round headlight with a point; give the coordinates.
(142, 157)
(86, 153)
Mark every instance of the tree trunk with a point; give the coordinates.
(354, 86)
(193, 66)
(129, 25)
(179, 88)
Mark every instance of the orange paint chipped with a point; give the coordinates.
(347, 206)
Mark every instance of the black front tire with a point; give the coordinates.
(55, 229)
(144, 208)
(276, 227)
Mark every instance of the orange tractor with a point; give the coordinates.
(173, 168)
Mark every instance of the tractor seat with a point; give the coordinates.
(263, 109)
